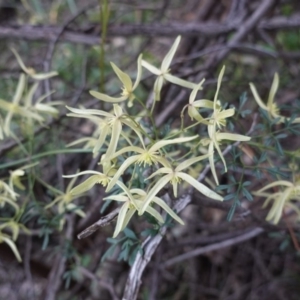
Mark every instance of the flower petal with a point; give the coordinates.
(139, 72)
(107, 98)
(273, 91)
(124, 78)
(218, 86)
(86, 185)
(232, 137)
(168, 58)
(191, 161)
(155, 189)
(164, 206)
(151, 68)
(164, 143)
(257, 98)
(199, 186)
(121, 219)
(155, 214)
(129, 161)
(181, 82)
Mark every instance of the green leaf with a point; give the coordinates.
(130, 234)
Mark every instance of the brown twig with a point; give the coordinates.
(198, 251)
(209, 29)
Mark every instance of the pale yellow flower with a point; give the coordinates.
(64, 202)
(270, 106)
(133, 201)
(164, 72)
(128, 86)
(214, 140)
(175, 176)
(288, 192)
(194, 105)
(97, 177)
(10, 242)
(145, 156)
(15, 107)
(111, 123)
(30, 71)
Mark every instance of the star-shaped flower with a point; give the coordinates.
(175, 176)
(164, 72)
(128, 86)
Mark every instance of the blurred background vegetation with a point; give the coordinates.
(78, 39)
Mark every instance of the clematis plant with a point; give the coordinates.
(162, 158)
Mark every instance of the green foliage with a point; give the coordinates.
(129, 246)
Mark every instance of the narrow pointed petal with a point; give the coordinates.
(101, 140)
(124, 78)
(158, 84)
(191, 161)
(232, 137)
(155, 214)
(139, 72)
(277, 208)
(165, 207)
(276, 183)
(43, 76)
(226, 113)
(129, 161)
(20, 89)
(160, 171)
(155, 189)
(168, 58)
(86, 185)
(121, 198)
(83, 173)
(90, 112)
(12, 246)
(128, 216)
(256, 97)
(29, 96)
(194, 114)
(199, 186)
(164, 143)
(121, 219)
(116, 130)
(204, 103)
(181, 82)
(127, 149)
(134, 127)
(273, 90)
(194, 91)
(221, 155)
(151, 68)
(107, 98)
(218, 86)
(212, 163)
